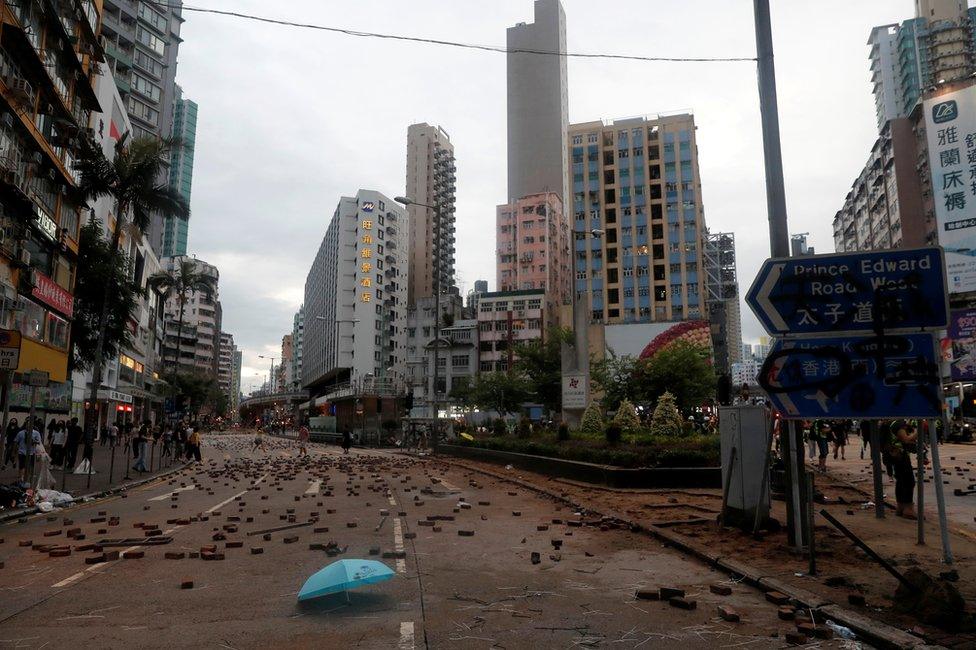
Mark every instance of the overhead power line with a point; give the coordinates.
(469, 46)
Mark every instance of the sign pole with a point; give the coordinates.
(29, 432)
(940, 495)
(793, 510)
(920, 485)
(8, 386)
(879, 506)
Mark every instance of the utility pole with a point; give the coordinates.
(779, 245)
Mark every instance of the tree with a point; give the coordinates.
(131, 180)
(183, 282)
(462, 392)
(503, 392)
(683, 369)
(626, 417)
(197, 387)
(540, 362)
(96, 270)
(666, 420)
(616, 377)
(592, 421)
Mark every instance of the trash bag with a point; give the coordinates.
(45, 480)
(54, 497)
(84, 467)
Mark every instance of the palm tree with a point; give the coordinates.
(183, 282)
(131, 180)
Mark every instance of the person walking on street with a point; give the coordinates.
(59, 437)
(75, 434)
(346, 441)
(139, 444)
(193, 445)
(10, 443)
(167, 438)
(27, 442)
(823, 433)
(840, 438)
(51, 426)
(899, 445)
(807, 428)
(258, 441)
(303, 441)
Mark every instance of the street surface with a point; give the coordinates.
(477, 590)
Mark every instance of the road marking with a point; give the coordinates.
(406, 636)
(448, 485)
(392, 501)
(104, 565)
(313, 487)
(239, 494)
(401, 565)
(163, 497)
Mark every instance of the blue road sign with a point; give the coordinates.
(883, 291)
(866, 377)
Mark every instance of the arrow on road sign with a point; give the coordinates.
(881, 291)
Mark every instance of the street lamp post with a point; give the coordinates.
(579, 360)
(271, 381)
(405, 201)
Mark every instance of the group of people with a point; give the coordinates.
(24, 444)
(898, 443)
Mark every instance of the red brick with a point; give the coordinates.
(777, 598)
(175, 555)
(186, 584)
(133, 555)
(720, 590)
(642, 594)
(257, 550)
(682, 603)
(728, 614)
(796, 638)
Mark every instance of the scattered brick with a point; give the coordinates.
(290, 540)
(133, 555)
(59, 552)
(234, 544)
(257, 550)
(667, 593)
(777, 598)
(95, 559)
(728, 614)
(720, 590)
(410, 535)
(52, 533)
(856, 599)
(786, 613)
(465, 533)
(796, 638)
(174, 555)
(186, 584)
(683, 603)
(644, 594)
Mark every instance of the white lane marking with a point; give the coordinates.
(401, 565)
(313, 487)
(448, 485)
(392, 501)
(103, 565)
(406, 636)
(239, 494)
(163, 497)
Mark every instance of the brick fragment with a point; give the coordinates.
(777, 598)
(59, 552)
(174, 555)
(465, 533)
(234, 544)
(644, 594)
(728, 614)
(290, 540)
(796, 638)
(257, 550)
(133, 555)
(720, 590)
(667, 593)
(786, 613)
(186, 584)
(683, 603)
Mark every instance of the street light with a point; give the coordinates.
(405, 201)
(271, 374)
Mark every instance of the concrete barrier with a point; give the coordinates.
(609, 475)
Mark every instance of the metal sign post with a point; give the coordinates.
(940, 495)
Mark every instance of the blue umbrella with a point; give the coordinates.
(343, 575)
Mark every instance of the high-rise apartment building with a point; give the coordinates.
(636, 180)
(175, 230)
(285, 368)
(431, 176)
(538, 105)
(298, 343)
(935, 47)
(142, 41)
(225, 365)
(532, 238)
(884, 208)
(196, 345)
(235, 394)
(356, 295)
(505, 319)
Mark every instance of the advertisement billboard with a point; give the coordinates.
(950, 122)
(962, 336)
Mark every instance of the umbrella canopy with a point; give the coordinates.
(466, 436)
(343, 575)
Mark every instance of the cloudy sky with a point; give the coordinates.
(292, 119)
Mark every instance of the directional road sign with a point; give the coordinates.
(9, 349)
(847, 293)
(887, 376)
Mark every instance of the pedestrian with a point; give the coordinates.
(75, 434)
(51, 426)
(899, 445)
(346, 441)
(113, 434)
(27, 442)
(10, 443)
(139, 445)
(303, 441)
(167, 438)
(258, 441)
(193, 444)
(188, 446)
(808, 435)
(59, 437)
(823, 433)
(840, 438)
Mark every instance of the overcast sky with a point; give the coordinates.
(292, 119)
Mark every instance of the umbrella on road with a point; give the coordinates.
(342, 576)
(466, 436)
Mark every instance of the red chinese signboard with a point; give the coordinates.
(49, 292)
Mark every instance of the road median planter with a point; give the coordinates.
(609, 475)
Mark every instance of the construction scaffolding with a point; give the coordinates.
(722, 290)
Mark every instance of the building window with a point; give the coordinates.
(459, 361)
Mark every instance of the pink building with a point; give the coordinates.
(533, 249)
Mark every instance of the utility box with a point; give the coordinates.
(747, 430)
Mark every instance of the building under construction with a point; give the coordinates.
(722, 287)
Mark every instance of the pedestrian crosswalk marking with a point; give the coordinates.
(406, 636)
(401, 565)
(313, 487)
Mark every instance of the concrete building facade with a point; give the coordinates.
(637, 181)
(884, 208)
(538, 104)
(421, 332)
(235, 394)
(532, 239)
(298, 343)
(431, 177)
(225, 366)
(356, 295)
(506, 318)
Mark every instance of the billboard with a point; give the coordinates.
(950, 122)
(962, 336)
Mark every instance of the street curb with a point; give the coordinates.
(878, 633)
(95, 496)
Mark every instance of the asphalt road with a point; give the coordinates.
(450, 591)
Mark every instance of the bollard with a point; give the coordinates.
(111, 466)
(152, 456)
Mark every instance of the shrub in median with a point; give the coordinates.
(666, 420)
(592, 421)
(613, 433)
(563, 434)
(626, 417)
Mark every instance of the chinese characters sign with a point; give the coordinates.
(49, 292)
(883, 376)
(574, 391)
(962, 336)
(365, 255)
(851, 292)
(950, 122)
